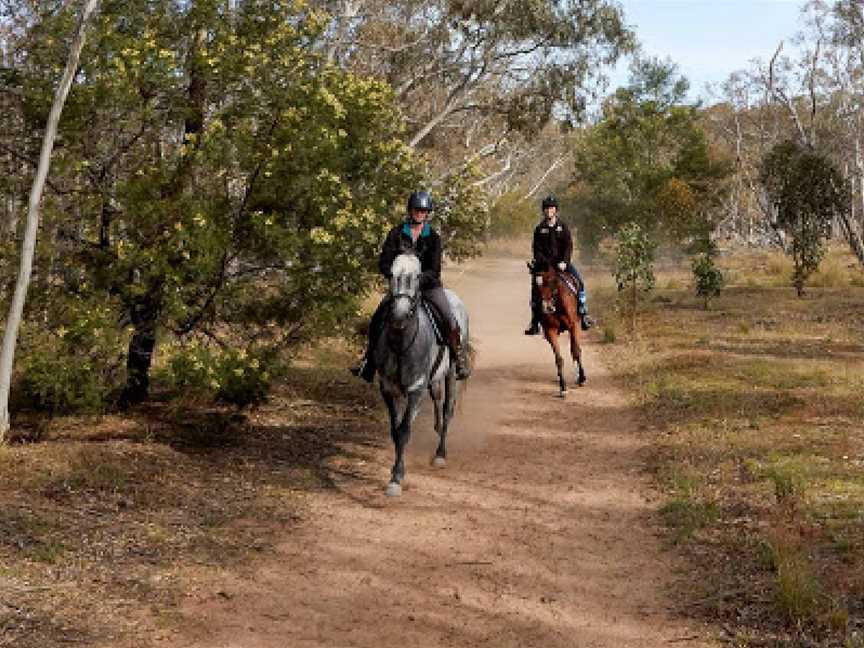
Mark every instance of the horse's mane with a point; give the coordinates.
(405, 264)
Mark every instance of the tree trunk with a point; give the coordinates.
(16, 309)
(145, 310)
(144, 313)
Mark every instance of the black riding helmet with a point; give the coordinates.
(421, 200)
(550, 201)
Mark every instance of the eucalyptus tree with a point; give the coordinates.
(477, 79)
(807, 190)
(16, 309)
(813, 96)
(647, 161)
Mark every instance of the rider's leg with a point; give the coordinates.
(581, 299)
(534, 327)
(365, 368)
(451, 332)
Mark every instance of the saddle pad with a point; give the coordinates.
(569, 281)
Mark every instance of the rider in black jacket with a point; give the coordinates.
(552, 247)
(418, 236)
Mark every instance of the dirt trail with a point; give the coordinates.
(540, 532)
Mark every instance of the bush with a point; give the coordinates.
(634, 267)
(235, 377)
(58, 384)
(71, 367)
(708, 277)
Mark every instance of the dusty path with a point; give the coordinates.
(540, 532)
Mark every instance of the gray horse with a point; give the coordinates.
(411, 360)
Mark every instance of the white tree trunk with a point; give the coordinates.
(16, 309)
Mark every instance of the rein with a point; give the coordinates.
(412, 319)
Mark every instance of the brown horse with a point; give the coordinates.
(557, 291)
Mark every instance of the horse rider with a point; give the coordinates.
(552, 248)
(416, 235)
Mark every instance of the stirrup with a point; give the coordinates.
(587, 322)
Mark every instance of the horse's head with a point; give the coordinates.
(547, 285)
(404, 288)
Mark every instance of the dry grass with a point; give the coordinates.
(757, 410)
(104, 523)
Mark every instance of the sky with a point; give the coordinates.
(709, 39)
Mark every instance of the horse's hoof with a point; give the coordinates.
(393, 489)
(439, 462)
(563, 393)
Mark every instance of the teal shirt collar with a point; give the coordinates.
(406, 229)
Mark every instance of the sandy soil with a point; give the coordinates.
(541, 531)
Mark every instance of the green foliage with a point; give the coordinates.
(59, 384)
(648, 161)
(512, 216)
(708, 277)
(219, 174)
(798, 593)
(74, 364)
(807, 191)
(236, 377)
(633, 270)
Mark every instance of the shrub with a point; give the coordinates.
(634, 267)
(708, 278)
(56, 383)
(235, 377)
(71, 367)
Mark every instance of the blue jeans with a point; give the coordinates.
(581, 298)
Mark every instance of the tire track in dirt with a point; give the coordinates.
(540, 532)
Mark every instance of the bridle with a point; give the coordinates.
(553, 298)
(404, 291)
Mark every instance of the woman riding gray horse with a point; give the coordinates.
(417, 236)
(411, 360)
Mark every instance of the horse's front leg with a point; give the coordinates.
(438, 392)
(576, 353)
(552, 337)
(401, 434)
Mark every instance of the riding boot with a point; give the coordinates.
(460, 357)
(365, 368)
(582, 310)
(534, 327)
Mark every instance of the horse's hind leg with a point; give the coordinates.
(438, 392)
(401, 434)
(576, 353)
(552, 337)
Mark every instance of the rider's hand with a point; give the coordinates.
(562, 266)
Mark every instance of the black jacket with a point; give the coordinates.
(428, 248)
(552, 245)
